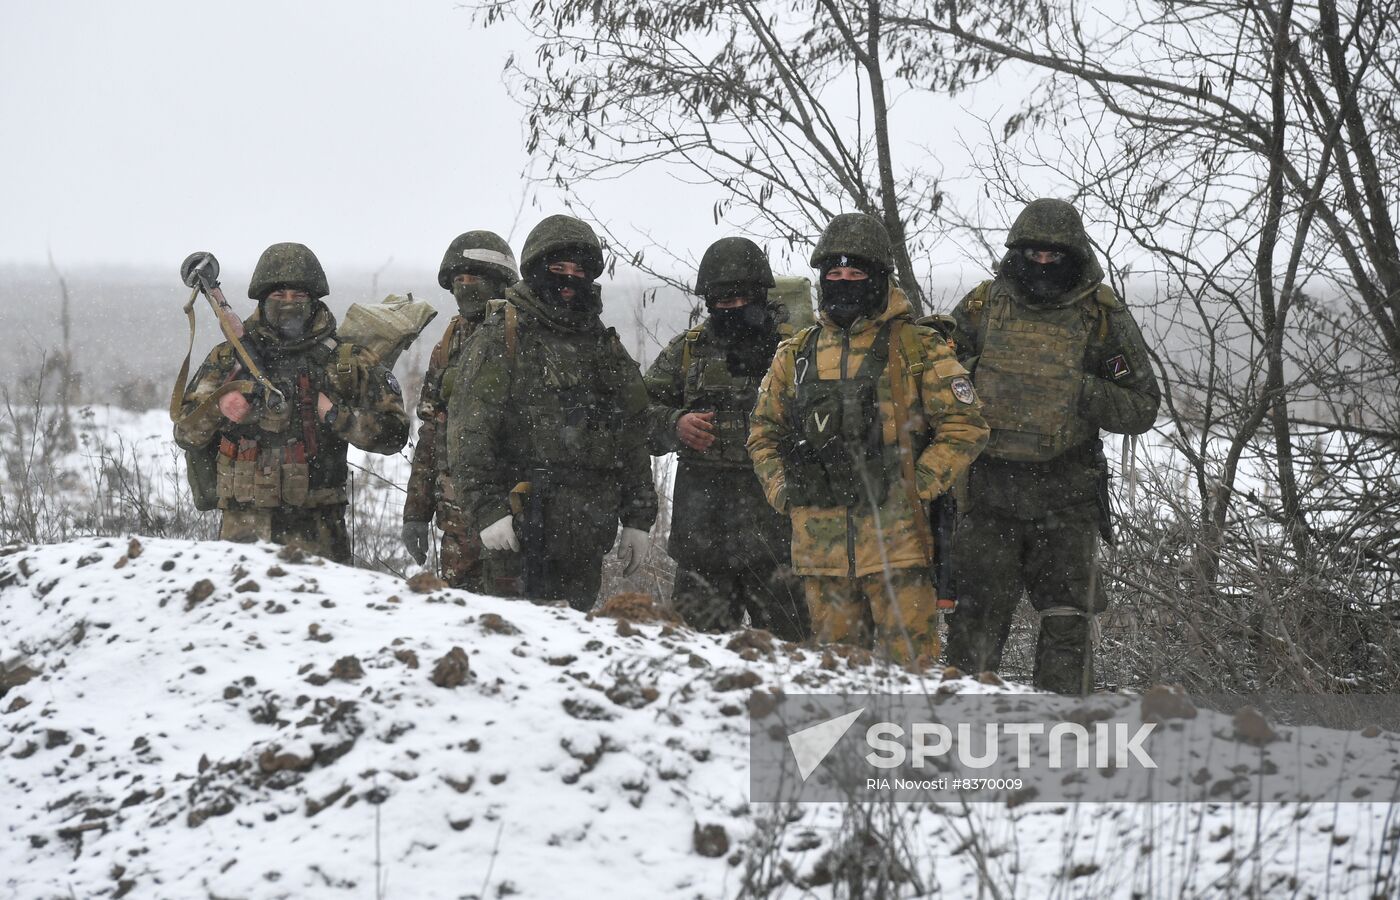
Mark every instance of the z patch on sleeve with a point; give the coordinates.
(962, 389)
(1118, 368)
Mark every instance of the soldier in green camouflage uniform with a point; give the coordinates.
(733, 551)
(547, 427)
(1056, 357)
(477, 268)
(281, 476)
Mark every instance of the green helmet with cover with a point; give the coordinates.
(1048, 222)
(857, 235)
(482, 253)
(560, 233)
(288, 265)
(730, 261)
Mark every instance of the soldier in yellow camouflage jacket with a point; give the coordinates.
(477, 268)
(281, 476)
(854, 416)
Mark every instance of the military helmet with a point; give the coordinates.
(1054, 223)
(733, 260)
(855, 234)
(559, 232)
(288, 265)
(482, 253)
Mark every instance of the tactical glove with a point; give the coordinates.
(632, 549)
(415, 540)
(500, 535)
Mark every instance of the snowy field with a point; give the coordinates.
(204, 720)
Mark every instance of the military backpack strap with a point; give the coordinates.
(976, 302)
(439, 357)
(512, 330)
(1105, 302)
(691, 337)
(906, 336)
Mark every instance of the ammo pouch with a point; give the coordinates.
(837, 455)
(264, 478)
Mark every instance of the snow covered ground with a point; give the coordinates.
(209, 720)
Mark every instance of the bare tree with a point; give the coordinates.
(787, 108)
(1243, 154)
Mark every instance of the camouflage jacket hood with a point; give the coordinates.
(1054, 223)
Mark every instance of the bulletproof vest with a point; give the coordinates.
(574, 411)
(281, 460)
(837, 455)
(709, 386)
(1029, 375)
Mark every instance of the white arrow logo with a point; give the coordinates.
(811, 745)
(821, 421)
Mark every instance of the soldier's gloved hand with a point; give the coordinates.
(415, 540)
(632, 549)
(696, 430)
(500, 535)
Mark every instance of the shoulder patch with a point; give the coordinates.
(1117, 368)
(392, 383)
(962, 389)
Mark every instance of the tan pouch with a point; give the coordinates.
(267, 484)
(224, 477)
(296, 483)
(244, 472)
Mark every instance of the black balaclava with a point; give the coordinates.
(472, 298)
(748, 333)
(1044, 282)
(846, 301)
(547, 286)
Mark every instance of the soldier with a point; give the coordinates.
(732, 550)
(548, 444)
(1056, 357)
(860, 423)
(281, 475)
(477, 268)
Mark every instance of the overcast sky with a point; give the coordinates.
(138, 131)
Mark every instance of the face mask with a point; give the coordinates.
(472, 299)
(1044, 282)
(751, 320)
(846, 301)
(549, 287)
(290, 320)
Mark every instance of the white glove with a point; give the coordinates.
(500, 535)
(632, 549)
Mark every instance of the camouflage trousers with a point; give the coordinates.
(717, 600)
(896, 615)
(320, 530)
(999, 558)
(459, 549)
(576, 580)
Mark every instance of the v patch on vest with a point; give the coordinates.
(1118, 367)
